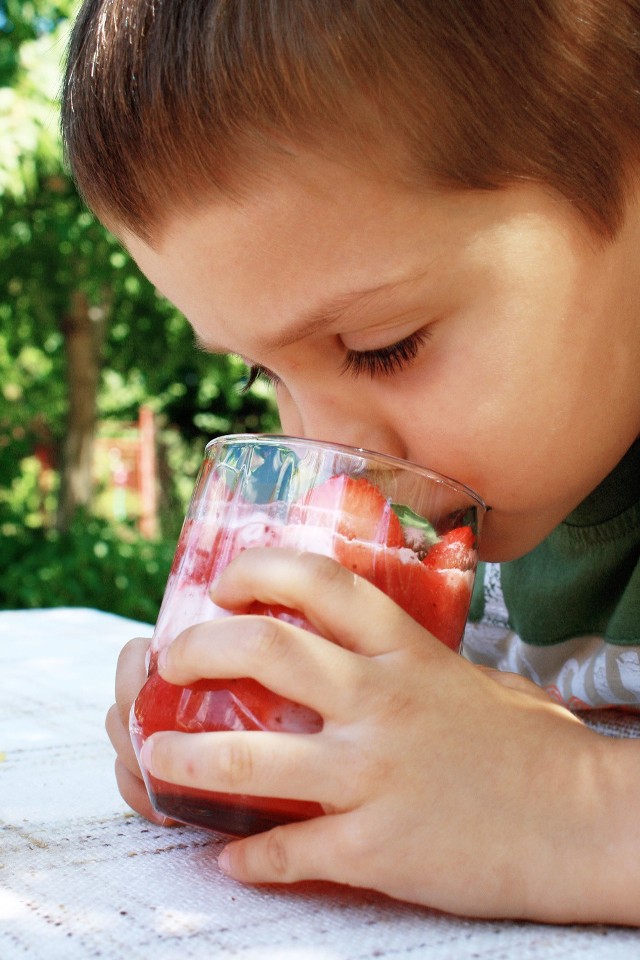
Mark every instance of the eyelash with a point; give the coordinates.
(384, 361)
(256, 372)
(381, 362)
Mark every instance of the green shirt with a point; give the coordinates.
(567, 615)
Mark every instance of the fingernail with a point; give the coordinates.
(224, 862)
(162, 659)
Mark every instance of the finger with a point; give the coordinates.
(295, 852)
(121, 740)
(292, 662)
(337, 603)
(291, 766)
(133, 792)
(131, 674)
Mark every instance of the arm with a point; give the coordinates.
(444, 787)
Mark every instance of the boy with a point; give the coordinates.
(421, 221)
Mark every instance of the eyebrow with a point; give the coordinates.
(308, 323)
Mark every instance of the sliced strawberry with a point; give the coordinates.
(455, 550)
(437, 599)
(355, 508)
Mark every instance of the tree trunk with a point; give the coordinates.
(83, 337)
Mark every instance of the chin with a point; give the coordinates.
(504, 540)
(500, 555)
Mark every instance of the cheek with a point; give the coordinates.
(481, 433)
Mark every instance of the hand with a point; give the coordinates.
(444, 787)
(130, 676)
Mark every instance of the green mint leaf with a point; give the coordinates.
(417, 529)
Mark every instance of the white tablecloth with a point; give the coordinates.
(80, 876)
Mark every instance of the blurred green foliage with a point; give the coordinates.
(50, 247)
(96, 563)
(93, 564)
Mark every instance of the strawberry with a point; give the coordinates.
(437, 598)
(357, 510)
(453, 551)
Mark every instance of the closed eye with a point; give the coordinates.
(385, 361)
(256, 372)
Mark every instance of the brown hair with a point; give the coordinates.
(167, 101)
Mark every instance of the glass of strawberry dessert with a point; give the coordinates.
(409, 531)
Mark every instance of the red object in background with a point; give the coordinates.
(131, 466)
(45, 455)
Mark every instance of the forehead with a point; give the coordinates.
(300, 243)
(310, 235)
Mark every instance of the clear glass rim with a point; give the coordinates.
(271, 439)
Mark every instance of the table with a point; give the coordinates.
(81, 876)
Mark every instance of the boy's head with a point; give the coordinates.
(397, 207)
(168, 103)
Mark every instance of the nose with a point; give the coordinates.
(335, 419)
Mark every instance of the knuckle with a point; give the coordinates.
(397, 706)
(235, 763)
(365, 769)
(180, 645)
(132, 647)
(266, 638)
(277, 856)
(356, 842)
(364, 684)
(367, 774)
(132, 652)
(112, 720)
(325, 570)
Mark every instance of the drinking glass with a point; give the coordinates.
(411, 532)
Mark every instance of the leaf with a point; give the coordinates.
(418, 531)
